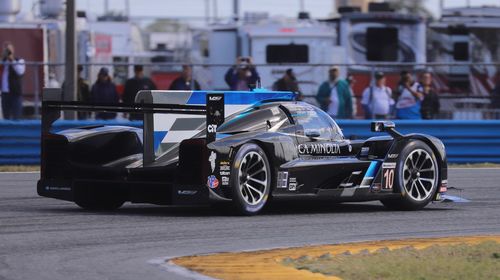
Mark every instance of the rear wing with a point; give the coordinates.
(210, 107)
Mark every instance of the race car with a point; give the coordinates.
(198, 147)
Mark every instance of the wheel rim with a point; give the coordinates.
(419, 175)
(253, 178)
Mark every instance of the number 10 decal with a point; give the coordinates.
(388, 175)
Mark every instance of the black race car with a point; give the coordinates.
(240, 147)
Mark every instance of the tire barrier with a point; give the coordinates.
(465, 141)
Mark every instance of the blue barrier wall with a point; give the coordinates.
(465, 141)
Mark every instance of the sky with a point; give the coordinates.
(196, 8)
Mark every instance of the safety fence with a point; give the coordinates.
(473, 93)
(465, 141)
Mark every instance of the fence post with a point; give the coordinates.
(37, 92)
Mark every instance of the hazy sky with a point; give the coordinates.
(196, 8)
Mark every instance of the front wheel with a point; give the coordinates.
(250, 179)
(417, 176)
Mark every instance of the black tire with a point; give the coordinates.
(250, 167)
(415, 197)
(92, 199)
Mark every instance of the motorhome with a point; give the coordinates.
(467, 36)
(274, 46)
(378, 40)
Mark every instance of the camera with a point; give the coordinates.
(6, 53)
(244, 59)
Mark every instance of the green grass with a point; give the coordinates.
(19, 168)
(481, 261)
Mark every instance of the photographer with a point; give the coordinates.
(12, 71)
(410, 96)
(243, 76)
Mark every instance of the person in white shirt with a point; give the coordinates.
(377, 99)
(12, 70)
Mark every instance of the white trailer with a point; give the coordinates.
(379, 36)
(466, 35)
(274, 45)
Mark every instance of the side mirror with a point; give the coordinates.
(382, 126)
(311, 133)
(386, 126)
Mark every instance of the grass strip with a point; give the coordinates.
(460, 261)
(19, 168)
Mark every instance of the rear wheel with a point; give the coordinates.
(250, 179)
(417, 175)
(93, 199)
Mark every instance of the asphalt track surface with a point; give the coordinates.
(43, 238)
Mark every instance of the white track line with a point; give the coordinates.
(477, 168)
(165, 263)
(19, 172)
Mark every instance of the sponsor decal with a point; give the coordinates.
(212, 128)
(211, 159)
(389, 165)
(53, 188)
(444, 186)
(282, 182)
(186, 192)
(388, 170)
(224, 166)
(376, 187)
(292, 186)
(319, 148)
(212, 182)
(225, 173)
(225, 180)
(392, 155)
(214, 98)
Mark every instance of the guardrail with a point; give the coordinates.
(465, 141)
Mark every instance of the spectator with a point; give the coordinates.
(288, 83)
(409, 98)
(430, 104)
(351, 81)
(83, 92)
(12, 71)
(52, 82)
(104, 92)
(134, 85)
(185, 81)
(242, 76)
(377, 99)
(495, 94)
(334, 96)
